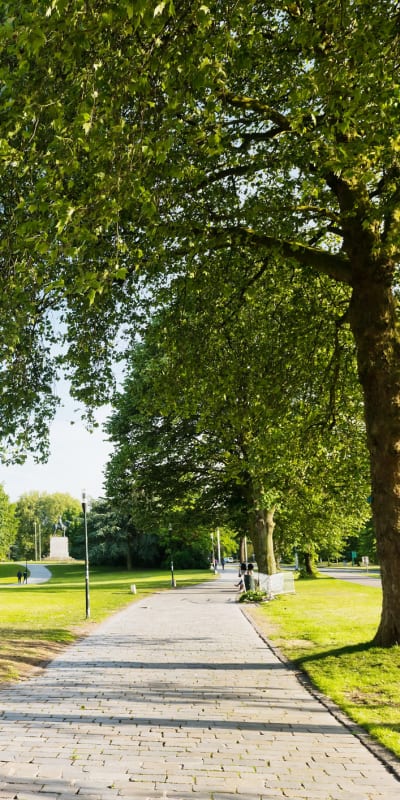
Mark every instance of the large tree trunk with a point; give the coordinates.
(263, 540)
(270, 526)
(129, 562)
(373, 322)
(307, 563)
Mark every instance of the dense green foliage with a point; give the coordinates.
(166, 470)
(140, 172)
(118, 168)
(222, 433)
(8, 524)
(113, 539)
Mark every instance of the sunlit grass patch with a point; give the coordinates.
(327, 628)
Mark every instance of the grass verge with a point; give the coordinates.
(326, 629)
(39, 620)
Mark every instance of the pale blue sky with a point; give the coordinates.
(76, 461)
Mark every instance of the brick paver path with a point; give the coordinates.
(177, 697)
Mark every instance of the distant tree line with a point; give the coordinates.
(114, 537)
(136, 533)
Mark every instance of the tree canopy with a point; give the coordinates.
(222, 421)
(131, 162)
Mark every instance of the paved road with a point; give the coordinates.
(175, 697)
(370, 578)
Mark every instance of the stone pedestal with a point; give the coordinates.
(59, 547)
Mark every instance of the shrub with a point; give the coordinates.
(252, 596)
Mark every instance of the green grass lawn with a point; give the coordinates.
(38, 620)
(326, 628)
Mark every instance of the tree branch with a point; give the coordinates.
(251, 104)
(249, 139)
(229, 172)
(335, 265)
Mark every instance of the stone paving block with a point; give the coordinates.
(7, 768)
(143, 794)
(228, 796)
(227, 784)
(32, 795)
(178, 780)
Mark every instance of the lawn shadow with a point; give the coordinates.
(351, 649)
(29, 635)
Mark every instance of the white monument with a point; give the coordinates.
(59, 544)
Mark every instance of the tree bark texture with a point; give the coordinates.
(262, 536)
(129, 562)
(376, 334)
(307, 562)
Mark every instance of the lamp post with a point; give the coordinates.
(36, 548)
(86, 556)
(173, 581)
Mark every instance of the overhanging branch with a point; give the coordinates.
(251, 104)
(335, 265)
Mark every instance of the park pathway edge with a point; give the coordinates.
(387, 758)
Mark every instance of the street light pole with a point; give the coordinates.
(218, 547)
(173, 582)
(213, 561)
(86, 556)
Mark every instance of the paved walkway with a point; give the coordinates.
(178, 697)
(38, 573)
